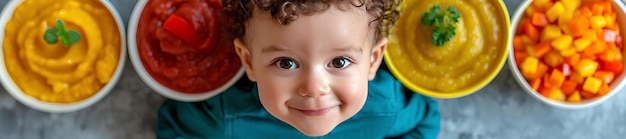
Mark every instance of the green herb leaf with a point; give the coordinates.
(68, 37)
(74, 37)
(444, 23)
(65, 39)
(60, 27)
(51, 36)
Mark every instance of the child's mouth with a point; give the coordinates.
(316, 112)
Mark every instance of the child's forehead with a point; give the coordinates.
(263, 23)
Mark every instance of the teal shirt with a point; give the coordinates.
(390, 111)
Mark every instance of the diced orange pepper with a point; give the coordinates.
(607, 56)
(577, 78)
(605, 76)
(597, 9)
(588, 56)
(587, 95)
(519, 57)
(535, 84)
(579, 25)
(590, 35)
(616, 67)
(604, 89)
(608, 8)
(544, 91)
(539, 19)
(572, 60)
(530, 31)
(569, 87)
(518, 43)
(555, 80)
(542, 48)
(595, 48)
(599, 33)
(584, 11)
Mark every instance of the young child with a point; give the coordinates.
(315, 67)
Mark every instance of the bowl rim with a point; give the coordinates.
(153, 84)
(15, 91)
(500, 6)
(513, 68)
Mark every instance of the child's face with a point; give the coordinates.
(312, 73)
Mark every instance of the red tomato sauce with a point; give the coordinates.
(196, 66)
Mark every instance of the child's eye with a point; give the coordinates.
(340, 62)
(286, 63)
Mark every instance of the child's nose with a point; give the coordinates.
(313, 85)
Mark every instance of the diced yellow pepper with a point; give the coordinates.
(562, 42)
(555, 11)
(571, 5)
(598, 21)
(530, 11)
(581, 44)
(550, 32)
(542, 3)
(586, 67)
(592, 85)
(564, 22)
(529, 65)
(556, 94)
(574, 97)
(553, 58)
(570, 51)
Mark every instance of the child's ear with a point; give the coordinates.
(377, 57)
(244, 55)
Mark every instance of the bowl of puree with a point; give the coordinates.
(181, 49)
(448, 48)
(61, 55)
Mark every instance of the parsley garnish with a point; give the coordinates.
(68, 37)
(444, 23)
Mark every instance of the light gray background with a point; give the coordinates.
(500, 110)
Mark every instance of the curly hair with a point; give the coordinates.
(385, 12)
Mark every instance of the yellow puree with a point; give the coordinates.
(464, 60)
(54, 73)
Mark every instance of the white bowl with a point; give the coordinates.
(31, 102)
(616, 86)
(156, 86)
